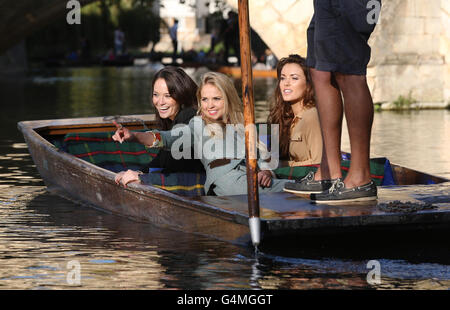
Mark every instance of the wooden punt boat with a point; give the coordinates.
(232, 71)
(283, 215)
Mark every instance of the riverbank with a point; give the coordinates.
(264, 82)
(396, 106)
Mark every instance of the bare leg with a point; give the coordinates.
(359, 115)
(330, 108)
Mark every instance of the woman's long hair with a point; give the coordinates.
(181, 88)
(232, 103)
(281, 111)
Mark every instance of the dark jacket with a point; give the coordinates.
(165, 160)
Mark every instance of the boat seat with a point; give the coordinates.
(380, 170)
(182, 183)
(99, 149)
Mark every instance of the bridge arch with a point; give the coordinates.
(20, 18)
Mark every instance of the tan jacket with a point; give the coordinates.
(305, 147)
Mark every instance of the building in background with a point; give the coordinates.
(194, 31)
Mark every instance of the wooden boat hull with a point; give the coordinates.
(226, 218)
(85, 183)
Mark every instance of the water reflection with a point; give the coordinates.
(41, 233)
(415, 139)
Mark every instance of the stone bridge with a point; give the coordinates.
(410, 46)
(20, 18)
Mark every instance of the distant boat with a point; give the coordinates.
(235, 72)
(283, 215)
(120, 61)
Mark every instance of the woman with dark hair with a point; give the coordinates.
(174, 97)
(294, 110)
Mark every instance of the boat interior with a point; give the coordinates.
(91, 141)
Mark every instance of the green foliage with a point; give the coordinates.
(404, 103)
(98, 22)
(139, 25)
(377, 107)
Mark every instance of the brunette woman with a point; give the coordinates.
(294, 110)
(174, 98)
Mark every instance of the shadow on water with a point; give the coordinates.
(414, 247)
(184, 260)
(41, 232)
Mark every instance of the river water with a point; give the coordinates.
(47, 242)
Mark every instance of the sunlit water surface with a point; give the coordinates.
(44, 238)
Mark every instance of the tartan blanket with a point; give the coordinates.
(380, 170)
(99, 149)
(183, 183)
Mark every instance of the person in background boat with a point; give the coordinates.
(270, 59)
(231, 36)
(220, 116)
(294, 110)
(173, 33)
(174, 97)
(119, 41)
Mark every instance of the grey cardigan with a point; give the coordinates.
(182, 138)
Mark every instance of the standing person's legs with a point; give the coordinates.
(350, 66)
(351, 77)
(359, 115)
(330, 109)
(337, 47)
(323, 58)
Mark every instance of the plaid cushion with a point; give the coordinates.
(377, 170)
(183, 183)
(99, 149)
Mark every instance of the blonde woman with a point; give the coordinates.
(217, 137)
